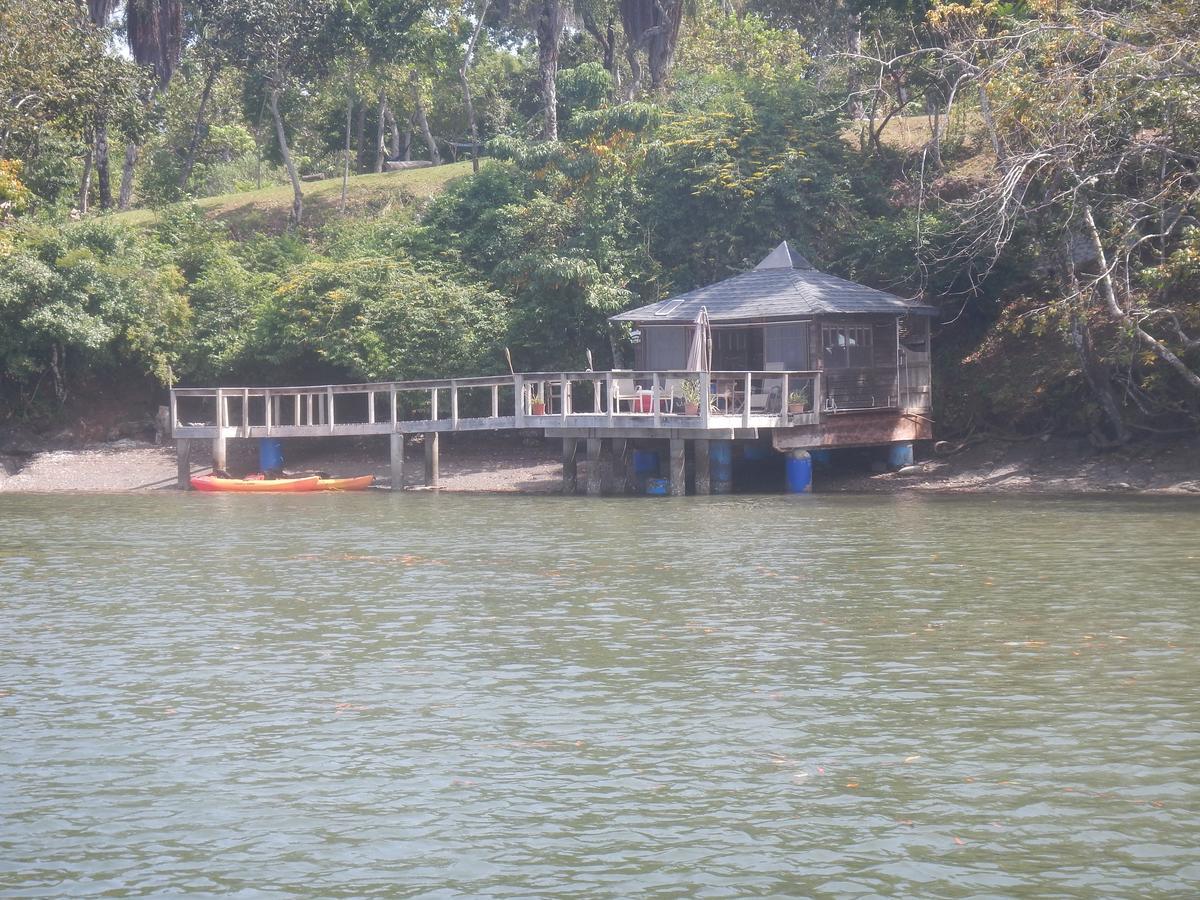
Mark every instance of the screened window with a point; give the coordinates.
(785, 347)
(846, 346)
(666, 347)
(731, 349)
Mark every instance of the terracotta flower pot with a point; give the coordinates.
(691, 409)
(537, 408)
(795, 408)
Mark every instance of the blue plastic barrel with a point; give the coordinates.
(659, 487)
(645, 463)
(720, 461)
(799, 472)
(900, 455)
(270, 455)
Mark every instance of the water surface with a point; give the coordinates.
(570, 697)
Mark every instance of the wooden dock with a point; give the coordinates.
(590, 406)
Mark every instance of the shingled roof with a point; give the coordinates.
(783, 284)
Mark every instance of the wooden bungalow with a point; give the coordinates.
(868, 349)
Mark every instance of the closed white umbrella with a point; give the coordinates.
(700, 349)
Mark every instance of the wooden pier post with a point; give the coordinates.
(570, 472)
(623, 478)
(431, 459)
(218, 444)
(183, 462)
(703, 475)
(595, 477)
(397, 458)
(678, 468)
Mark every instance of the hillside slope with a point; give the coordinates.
(268, 209)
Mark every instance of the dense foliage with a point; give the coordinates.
(1030, 168)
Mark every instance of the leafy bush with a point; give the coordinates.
(83, 298)
(378, 318)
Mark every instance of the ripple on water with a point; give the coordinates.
(443, 696)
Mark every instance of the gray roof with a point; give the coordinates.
(783, 284)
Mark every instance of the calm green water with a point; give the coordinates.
(499, 696)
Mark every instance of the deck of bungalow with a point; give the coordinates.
(783, 352)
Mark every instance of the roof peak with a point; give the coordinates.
(784, 257)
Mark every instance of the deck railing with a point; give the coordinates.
(621, 398)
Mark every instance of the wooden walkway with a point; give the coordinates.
(605, 412)
(649, 403)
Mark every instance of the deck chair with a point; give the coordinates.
(623, 391)
(769, 402)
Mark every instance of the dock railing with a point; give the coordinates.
(661, 399)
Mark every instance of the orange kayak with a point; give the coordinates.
(359, 483)
(260, 486)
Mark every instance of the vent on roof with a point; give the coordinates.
(784, 257)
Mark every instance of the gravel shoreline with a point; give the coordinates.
(507, 464)
(528, 464)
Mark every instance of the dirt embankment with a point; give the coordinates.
(526, 463)
(1039, 465)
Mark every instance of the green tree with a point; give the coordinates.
(286, 44)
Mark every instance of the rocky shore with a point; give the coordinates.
(530, 464)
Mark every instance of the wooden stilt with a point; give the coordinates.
(218, 453)
(431, 459)
(595, 478)
(397, 458)
(570, 472)
(183, 462)
(702, 476)
(678, 468)
(622, 466)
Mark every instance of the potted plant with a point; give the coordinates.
(689, 389)
(798, 401)
(537, 406)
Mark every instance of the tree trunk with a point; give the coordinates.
(466, 85)
(408, 136)
(419, 113)
(103, 182)
(607, 39)
(346, 150)
(652, 26)
(126, 195)
(853, 76)
(189, 162)
(611, 61)
(985, 112)
(549, 37)
(360, 138)
(288, 162)
(933, 110)
(1109, 295)
(1096, 375)
(85, 183)
(1094, 371)
(381, 133)
(394, 129)
(634, 87)
(661, 50)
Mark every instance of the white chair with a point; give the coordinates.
(623, 391)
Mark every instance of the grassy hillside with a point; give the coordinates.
(268, 209)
